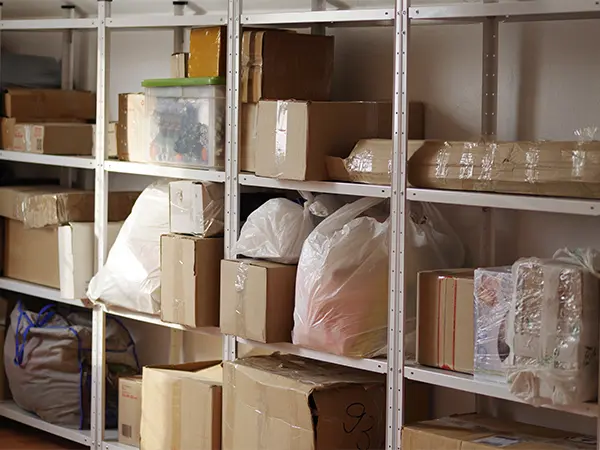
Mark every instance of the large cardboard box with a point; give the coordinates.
(63, 258)
(132, 139)
(130, 410)
(41, 206)
(48, 138)
(249, 137)
(281, 65)
(295, 137)
(181, 407)
(208, 52)
(285, 402)
(476, 432)
(49, 104)
(257, 300)
(196, 208)
(445, 319)
(190, 268)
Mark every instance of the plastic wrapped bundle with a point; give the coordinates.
(553, 332)
(493, 292)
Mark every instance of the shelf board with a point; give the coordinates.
(76, 162)
(582, 207)
(166, 21)
(10, 410)
(326, 187)
(371, 365)
(35, 290)
(48, 24)
(155, 320)
(155, 170)
(467, 383)
(514, 10)
(348, 17)
(115, 445)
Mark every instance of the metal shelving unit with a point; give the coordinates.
(400, 17)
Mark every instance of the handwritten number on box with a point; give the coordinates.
(357, 420)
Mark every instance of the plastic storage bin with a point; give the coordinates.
(186, 121)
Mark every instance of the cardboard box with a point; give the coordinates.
(111, 149)
(48, 138)
(295, 137)
(130, 410)
(249, 138)
(190, 268)
(41, 206)
(181, 407)
(179, 65)
(282, 65)
(49, 104)
(257, 300)
(445, 319)
(286, 402)
(208, 52)
(132, 139)
(476, 432)
(196, 208)
(63, 258)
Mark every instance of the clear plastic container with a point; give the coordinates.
(186, 121)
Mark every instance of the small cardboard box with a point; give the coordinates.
(130, 410)
(286, 402)
(49, 105)
(132, 139)
(111, 149)
(208, 52)
(179, 65)
(445, 319)
(249, 139)
(190, 280)
(477, 432)
(181, 407)
(48, 138)
(196, 208)
(296, 137)
(257, 300)
(282, 64)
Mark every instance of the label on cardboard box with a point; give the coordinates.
(196, 208)
(130, 410)
(498, 441)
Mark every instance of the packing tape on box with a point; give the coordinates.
(281, 128)
(240, 288)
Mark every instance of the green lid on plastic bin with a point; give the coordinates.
(174, 82)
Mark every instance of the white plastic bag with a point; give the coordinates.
(131, 276)
(342, 281)
(276, 231)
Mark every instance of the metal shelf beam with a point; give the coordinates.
(35, 290)
(142, 22)
(48, 24)
(350, 17)
(154, 170)
(76, 162)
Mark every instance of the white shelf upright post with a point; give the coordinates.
(101, 223)
(232, 187)
(179, 32)
(319, 5)
(398, 211)
(67, 77)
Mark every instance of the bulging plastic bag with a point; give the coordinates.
(131, 276)
(342, 283)
(276, 231)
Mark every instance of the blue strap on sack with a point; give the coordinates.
(46, 314)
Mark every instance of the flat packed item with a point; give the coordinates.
(181, 407)
(47, 357)
(49, 104)
(132, 128)
(562, 169)
(130, 410)
(190, 270)
(179, 65)
(493, 294)
(552, 331)
(131, 276)
(276, 231)
(296, 137)
(286, 402)
(445, 319)
(257, 300)
(249, 137)
(29, 71)
(208, 52)
(343, 262)
(477, 432)
(41, 206)
(281, 65)
(185, 122)
(196, 208)
(48, 138)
